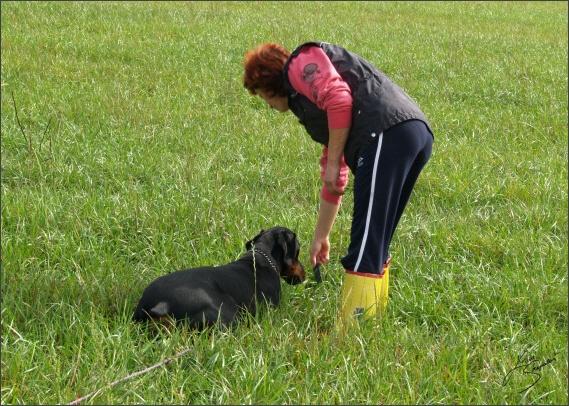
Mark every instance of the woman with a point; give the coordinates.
(366, 123)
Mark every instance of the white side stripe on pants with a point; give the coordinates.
(370, 206)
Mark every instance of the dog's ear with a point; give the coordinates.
(293, 272)
(293, 247)
(249, 244)
(290, 246)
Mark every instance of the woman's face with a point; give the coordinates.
(279, 103)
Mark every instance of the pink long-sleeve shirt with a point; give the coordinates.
(312, 74)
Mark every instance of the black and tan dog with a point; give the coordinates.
(207, 295)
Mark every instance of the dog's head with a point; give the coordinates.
(283, 246)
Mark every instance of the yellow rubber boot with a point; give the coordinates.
(363, 293)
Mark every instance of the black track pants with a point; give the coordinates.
(384, 179)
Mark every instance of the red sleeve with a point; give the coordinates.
(312, 74)
(342, 179)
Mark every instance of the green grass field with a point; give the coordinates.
(138, 152)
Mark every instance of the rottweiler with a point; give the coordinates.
(205, 296)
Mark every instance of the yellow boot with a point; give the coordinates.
(363, 293)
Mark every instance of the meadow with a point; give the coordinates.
(130, 149)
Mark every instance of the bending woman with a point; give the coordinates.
(366, 124)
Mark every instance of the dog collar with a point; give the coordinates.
(258, 251)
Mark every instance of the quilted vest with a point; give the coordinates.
(378, 102)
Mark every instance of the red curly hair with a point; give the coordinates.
(264, 69)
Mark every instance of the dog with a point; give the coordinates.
(205, 296)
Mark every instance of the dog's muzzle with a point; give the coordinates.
(295, 274)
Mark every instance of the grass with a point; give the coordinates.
(142, 153)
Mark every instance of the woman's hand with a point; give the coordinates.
(319, 251)
(330, 178)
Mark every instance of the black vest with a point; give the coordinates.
(378, 102)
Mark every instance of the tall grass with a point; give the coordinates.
(138, 152)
